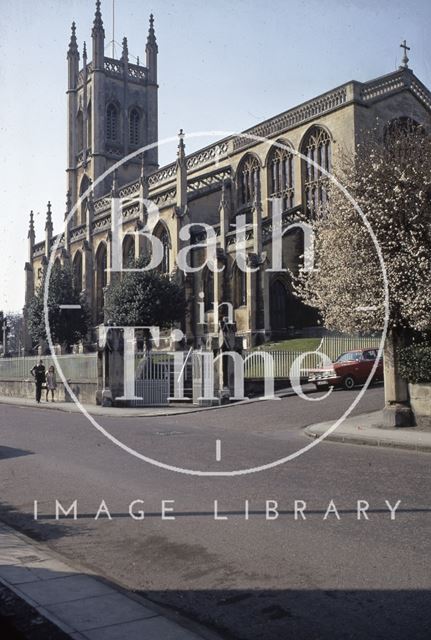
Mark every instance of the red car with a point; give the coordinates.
(348, 370)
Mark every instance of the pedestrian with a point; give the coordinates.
(38, 373)
(51, 383)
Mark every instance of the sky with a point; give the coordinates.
(224, 65)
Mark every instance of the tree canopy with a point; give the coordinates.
(67, 326)
(144, 298)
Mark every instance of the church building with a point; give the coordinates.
(113, 113)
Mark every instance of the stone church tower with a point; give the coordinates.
(111, 112)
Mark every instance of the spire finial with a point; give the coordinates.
(125, 53)
(181, 146)
(84, 50)
(98, 37)
(98, 22)
(31, 226)
(405, 60)
(151, 40)
(48, 224)
(73, 46)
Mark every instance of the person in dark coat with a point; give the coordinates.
(38, 373)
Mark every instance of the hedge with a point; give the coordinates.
(415, 363)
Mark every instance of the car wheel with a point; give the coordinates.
(349, 382)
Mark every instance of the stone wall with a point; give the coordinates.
(17, 388)
(420, 401)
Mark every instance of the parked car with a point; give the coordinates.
(349, 369)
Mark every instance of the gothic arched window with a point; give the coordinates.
(162, 234)
(85, 183)
(134, 119)
(112, 122)
(164, 239)
(281, 176)
(239, 282)
(248, 180)
(317, 148)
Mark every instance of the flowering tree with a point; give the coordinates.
(390, 180)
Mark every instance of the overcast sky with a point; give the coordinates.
(222, 66)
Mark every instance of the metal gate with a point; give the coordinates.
(152, 379)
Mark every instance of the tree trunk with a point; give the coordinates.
(397, 411)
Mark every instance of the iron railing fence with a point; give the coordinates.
(284, 363)
(287, 363)
(333, 346)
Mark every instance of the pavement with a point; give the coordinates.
(96, 410)
(173, 409)
(81, 605)
(366, 429)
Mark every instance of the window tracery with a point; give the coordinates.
(248, 180)
(317, 148)
(281, 176)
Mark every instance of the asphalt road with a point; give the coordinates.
(250, 579)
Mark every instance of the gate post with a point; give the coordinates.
(110, 365)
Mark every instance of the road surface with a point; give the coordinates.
(249, 578)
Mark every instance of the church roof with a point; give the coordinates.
(361, 93)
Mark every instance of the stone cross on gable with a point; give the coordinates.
(405, 60)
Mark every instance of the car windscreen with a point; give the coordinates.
(351, 356)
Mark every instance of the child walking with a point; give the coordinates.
(51, 383)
